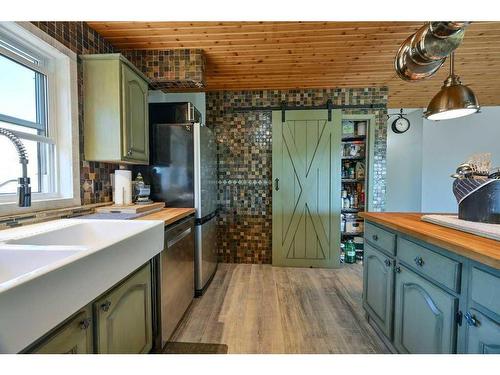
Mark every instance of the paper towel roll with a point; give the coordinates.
(123, 187)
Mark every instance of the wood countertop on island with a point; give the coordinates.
(474, 247)
(169, 215)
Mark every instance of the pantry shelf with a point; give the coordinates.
(351, 234)
(348, 138)
(353, 158)
(352, 180)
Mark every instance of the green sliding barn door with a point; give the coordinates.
(306, 188)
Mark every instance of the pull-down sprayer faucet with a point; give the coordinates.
(23, 188)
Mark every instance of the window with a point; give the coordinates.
(38, 103)
(23, 109)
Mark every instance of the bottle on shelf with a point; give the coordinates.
(355, 201)
(360, 170)
(352, 171)
(346, 203)
(350, 252)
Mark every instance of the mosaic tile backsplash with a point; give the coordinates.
(95, 184)
(167, 69)
(245, 161)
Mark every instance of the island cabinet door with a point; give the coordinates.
(378, 288)
(73, 337)
(483, 333)
(123, 316)
(424, 315)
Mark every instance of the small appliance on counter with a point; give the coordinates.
(141, 191)
(477, 190)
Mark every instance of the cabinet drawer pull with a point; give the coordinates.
(419, 261)
(85, 323)
(471, 320)
(276, 184)
(105, 306)
(387, 262)
(375, 237)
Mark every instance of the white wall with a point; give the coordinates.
(197, 98)
(446, 144)
(404, 164)
(424, 161)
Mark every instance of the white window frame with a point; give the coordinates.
(60, 68)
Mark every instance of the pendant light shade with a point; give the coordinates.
(453, 100)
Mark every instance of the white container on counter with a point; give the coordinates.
(123, 187)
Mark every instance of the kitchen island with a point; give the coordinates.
(431, 289)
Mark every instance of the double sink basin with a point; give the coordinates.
(50, 270)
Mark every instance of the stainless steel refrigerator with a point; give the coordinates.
(183, 173)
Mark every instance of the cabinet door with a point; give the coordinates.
(378, 284)
(123, 316)
(483, 334)
(424, 317)
(73, 337)
(135, 116)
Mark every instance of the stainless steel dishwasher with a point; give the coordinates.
(175, 279)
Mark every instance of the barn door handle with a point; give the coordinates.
(276, 184)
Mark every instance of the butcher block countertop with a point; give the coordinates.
(169, 215)
(480, 249)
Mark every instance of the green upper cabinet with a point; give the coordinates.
(424, 316)
(73, 337)
(123, 316)
(115, 101)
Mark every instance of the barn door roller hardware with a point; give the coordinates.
(329, 106)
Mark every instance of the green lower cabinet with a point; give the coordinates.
(378, 288)
(424, 316)
(73, 337)
(483, 334)
(123, 316)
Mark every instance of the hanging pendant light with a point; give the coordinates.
(453, 100)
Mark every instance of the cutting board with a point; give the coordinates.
(132, 208)
(491, 231)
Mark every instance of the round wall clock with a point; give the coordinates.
(401, 124)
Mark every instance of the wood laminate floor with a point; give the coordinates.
(265, 309)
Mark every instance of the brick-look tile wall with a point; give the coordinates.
(167, 69)
(245, 161)
(81, 39)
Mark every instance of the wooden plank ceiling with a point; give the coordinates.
(272, 55)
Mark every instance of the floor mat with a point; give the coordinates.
(194, 348)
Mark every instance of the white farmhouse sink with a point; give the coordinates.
(17, 262)
(48, 271)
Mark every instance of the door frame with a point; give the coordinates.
(277, 126)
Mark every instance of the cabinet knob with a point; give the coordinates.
(419, 261)
(85, 323)
(375, 237)
(471, 320)
(129, 152)
(397, 269)
(387, 262)
(105, 306)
